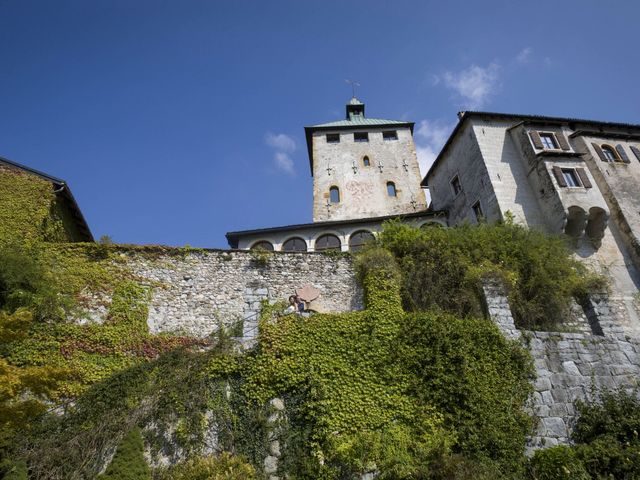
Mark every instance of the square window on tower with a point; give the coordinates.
(360, 137)
(333, 138)
(390, 135)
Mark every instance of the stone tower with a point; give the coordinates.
(363, 167)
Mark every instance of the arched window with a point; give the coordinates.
(263, 245)
(295, 244)
(358, 240)
(391, 189)
(609, 153)
(327, 242)
(334, 194)
(366, 162)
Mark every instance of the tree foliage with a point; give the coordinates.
(442, 267)
(128, 463)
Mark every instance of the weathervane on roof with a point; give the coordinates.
(353, 84)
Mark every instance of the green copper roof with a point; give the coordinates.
(357, 121)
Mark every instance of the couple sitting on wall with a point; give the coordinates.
(303, 300)
(296, 305)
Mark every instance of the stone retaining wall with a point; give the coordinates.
(571, 366)
(194, 292)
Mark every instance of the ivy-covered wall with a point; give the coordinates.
(28, 208)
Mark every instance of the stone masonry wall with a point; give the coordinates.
(571, 366)
(194, 292)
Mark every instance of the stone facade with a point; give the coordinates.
(571, 366)
(503, 168)
(363, 188)
(196, 292)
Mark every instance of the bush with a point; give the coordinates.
(128, 463)
(616, 415)
(223, 467)
(443, 267)
(607, 434)
(557, 463)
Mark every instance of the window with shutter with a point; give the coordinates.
(571, 177)
(562, 141)
(584, 178)
(622, 153)
(535, 138)
(548, 141)
(599, 151)
(610, 154)
(557, 172)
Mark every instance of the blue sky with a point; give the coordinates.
(176, 121)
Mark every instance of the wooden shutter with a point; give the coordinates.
(535, 137)
(599, 151)
(562, 140)
(557, 171)
(622, 153)
(584, 178)
(636, 152)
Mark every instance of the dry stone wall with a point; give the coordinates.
(194, 292)
(571, 366)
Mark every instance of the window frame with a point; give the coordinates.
(574, 175)
(392, 185)
(335, 138)
(327, 234)
(367, 160)
(477, 207)
(389, 135)
(605, 147)
(334, 188)
(455, 179)
(360, 246)
(291, 239)
(363, 137)
(552, 137)
(255, 246)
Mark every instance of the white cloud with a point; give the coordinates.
(283, 145)
(474, 84)
(430, 138)
(524, 56)
(283, 162)
(280, 142)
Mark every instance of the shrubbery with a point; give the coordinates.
(128, 463)
(223, 467)
(607, 442)
(442, 267)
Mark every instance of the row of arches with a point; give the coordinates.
(326, 241)
(334, 192)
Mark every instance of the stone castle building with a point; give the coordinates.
(561, 175)
(365, 171)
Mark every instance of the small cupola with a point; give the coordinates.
(355, 109)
